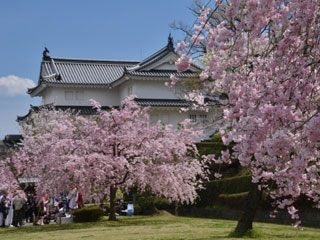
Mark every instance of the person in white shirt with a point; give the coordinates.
(72, 196)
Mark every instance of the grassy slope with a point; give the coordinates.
(156, 227)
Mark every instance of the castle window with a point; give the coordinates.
(193, 117)
(203, 118)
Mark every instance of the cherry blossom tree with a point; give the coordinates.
(196, 9)
(9, 175)
(44, 134)
(115, 149)
(265, 57)
(123, 149)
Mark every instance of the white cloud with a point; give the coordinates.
(13, 85)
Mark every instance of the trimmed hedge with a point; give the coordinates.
(150, 204)
(213, 189)
(206, 148)
(215, 146)
(233, 201)
(234, 185)
(137, 209)
(217, 138)
(88, 214)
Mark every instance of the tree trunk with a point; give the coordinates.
(253, 200)
(176, 208)
(113, 192)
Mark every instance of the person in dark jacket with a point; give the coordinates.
(31, 204)
(3, 208)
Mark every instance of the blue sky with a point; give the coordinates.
(96, 29)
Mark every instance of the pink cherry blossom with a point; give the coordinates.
(115, 149)
(183, 63)
(182, 45)
(264, 57)
(173, 81)
(217, 175)
(196, 38)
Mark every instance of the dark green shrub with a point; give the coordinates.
(234, 185)
(206, 148)
(232, 182)
(162, 203)
(213, 189)
(146, 204)
(137, 209)
(88, 214)
(233, 201)
(150, 204)
(217, 138)
(215, 147)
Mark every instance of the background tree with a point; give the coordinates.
(43, 134)
(199, 50)
(9, 175)
(265, 57)
(112, 150)
(123, 149)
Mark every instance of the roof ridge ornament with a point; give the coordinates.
(55, 71)
(170, 43)
(58, 77)
(45, 54)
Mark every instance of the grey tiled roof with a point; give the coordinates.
(100, 72)
(89, 110)
(169, 102)
(161, 102)
(144, 102)
(162, 73)
(9, 141)
(13, 138)
(82, 110)
(80, 71)
(83, 72)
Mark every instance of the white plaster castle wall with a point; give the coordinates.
(80, 96)
(174, 116)
(167, 115)
(167, 66)
(153, 89)
(124, 90)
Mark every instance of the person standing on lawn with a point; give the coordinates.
(3, 209)
(79, 200)
(31, 205)
(9, 219)
(72, 196)
(18, 203)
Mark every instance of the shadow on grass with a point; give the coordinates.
(250, 234)
(121, 222)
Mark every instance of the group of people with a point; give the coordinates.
(39, 210)
(12, 210)
(70, 201)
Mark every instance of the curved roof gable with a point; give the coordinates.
(163, 59)
(59, 71)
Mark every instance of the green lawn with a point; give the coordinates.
(159, 227)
